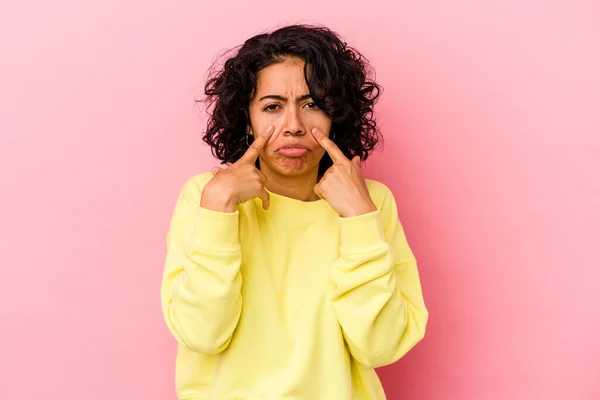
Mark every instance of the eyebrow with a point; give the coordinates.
(283, 98)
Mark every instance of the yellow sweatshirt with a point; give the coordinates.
(292, 303)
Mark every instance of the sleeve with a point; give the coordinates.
(201, 286)
(377, 292)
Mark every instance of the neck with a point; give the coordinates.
(296, 187)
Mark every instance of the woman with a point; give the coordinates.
(288, 275)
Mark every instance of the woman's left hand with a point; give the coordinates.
(343, 185)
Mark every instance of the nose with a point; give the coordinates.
(293, 124)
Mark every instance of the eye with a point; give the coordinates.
(271, 107)
(312, 104)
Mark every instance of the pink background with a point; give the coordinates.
(491, 113)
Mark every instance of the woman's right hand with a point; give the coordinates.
(240, 182)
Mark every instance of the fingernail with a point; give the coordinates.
(316, 131)
(269, 128)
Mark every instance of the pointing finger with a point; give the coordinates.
(255, 148)
(331, 148)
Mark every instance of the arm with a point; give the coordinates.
(201, 287)
(377, 291)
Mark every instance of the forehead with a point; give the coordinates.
(286, 76)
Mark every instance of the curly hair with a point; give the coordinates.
(337, 76)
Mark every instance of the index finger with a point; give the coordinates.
(337, 156)
(254, 150)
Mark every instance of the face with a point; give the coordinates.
(283, 100)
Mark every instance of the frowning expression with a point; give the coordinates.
(282, 99)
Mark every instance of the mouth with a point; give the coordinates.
(293, 150)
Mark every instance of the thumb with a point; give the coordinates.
(356, 161)
(216, 170)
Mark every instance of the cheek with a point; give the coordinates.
(322, 122)
(316, 155)
(319, 153)
(271, 144)
(259, 119)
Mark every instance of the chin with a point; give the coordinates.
(287, 166)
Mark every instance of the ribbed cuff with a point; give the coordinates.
(361, 233)
(215, 230)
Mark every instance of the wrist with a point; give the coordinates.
(364, 208)
(217, 199)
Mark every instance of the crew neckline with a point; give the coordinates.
(291, 208)
(293, 200)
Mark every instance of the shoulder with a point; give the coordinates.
(380, 193)
(385, 202)
(193, 186)
(199, 180)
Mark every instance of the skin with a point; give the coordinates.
(284, 114)
(283, 100)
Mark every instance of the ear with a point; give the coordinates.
(356, 161)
